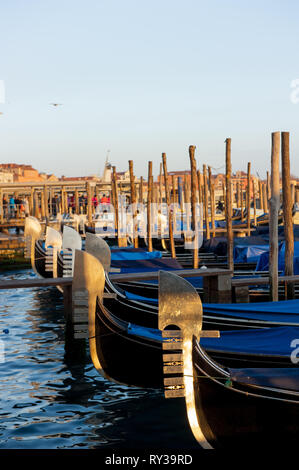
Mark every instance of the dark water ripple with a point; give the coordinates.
(50, 399)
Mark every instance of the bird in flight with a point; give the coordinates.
(56, 104)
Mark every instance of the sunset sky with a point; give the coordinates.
(140, 78)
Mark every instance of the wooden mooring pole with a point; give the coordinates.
(115, 202)
(170, 227)
(273, 221)
(287, 212)
(133, 203)
(212, 201)
(194, 225)
(242, 201)
(265, 199)
(254, 202)
(248, 198)
(206, 199)
(229, 226)
(149, 204)
(261, 196)
(89, 205)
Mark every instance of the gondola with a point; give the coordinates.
(144, 311)
(244, 407)
(40, 260)
(52, 256)
(261, 223)
(132, 354)
(226, 407)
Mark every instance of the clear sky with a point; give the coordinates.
(140, 78)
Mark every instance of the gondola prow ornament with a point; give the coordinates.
(180, 320)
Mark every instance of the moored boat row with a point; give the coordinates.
(235, 391)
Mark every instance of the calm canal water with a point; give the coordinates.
(51, 397)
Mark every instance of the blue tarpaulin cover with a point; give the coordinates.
(264, 232)
(146, 265)
(249, 254)
(283, 311)
(268, 341)
(263, 261)
(218, 245)
(282, 378)
(196, 282)
(133, 254)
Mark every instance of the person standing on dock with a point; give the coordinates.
(72, 203)
(55, 204)
(104, 199)
(5, 207)
(21, 211)
(220, 206)
(95, 201)
(81, 203)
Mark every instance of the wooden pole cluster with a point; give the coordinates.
(201, 190)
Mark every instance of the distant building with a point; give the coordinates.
(24, 173)
(52, 177)
(6, 177)
(80, 178)
(123, 176)
(177, 174)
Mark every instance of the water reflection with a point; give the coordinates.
(52, 397)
